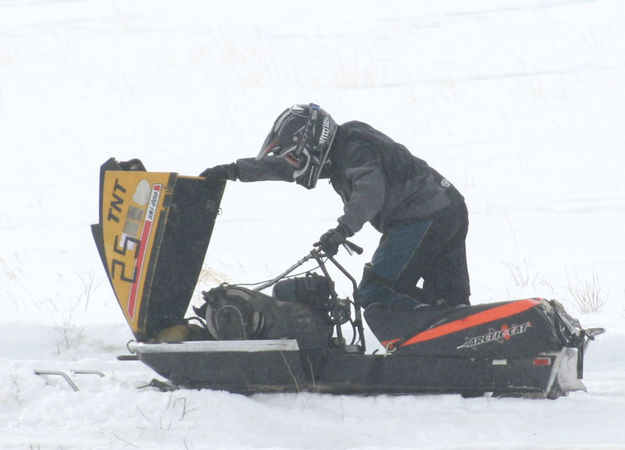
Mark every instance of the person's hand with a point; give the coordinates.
(134, 165)
(222, 172)
(330, 240)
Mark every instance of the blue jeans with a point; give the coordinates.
(432, 250)
(390, 260)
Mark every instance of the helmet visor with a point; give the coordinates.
(288, 133)
(270, 144)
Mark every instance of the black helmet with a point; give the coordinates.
(302, 135)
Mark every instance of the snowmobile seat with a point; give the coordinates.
(389, 322)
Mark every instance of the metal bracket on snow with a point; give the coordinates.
(88, 372)
(67, 378)
(60, 374)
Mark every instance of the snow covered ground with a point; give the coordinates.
(519, 103)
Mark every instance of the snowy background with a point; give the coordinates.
(520, 103)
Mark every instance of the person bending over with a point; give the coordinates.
(421, 215)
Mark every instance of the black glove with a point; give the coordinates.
(222, 172)
(330, 240)
(134, 165)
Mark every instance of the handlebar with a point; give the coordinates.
(351, 247)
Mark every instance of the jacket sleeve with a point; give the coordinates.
(368, 190)
(269, 168)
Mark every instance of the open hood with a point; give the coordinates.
(152, 237)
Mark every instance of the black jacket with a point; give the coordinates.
(379, 180)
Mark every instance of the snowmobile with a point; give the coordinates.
(152, 236)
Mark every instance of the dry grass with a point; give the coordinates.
(587, 294)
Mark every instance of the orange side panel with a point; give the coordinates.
(480, 318)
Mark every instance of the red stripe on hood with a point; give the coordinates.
(499, 312)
